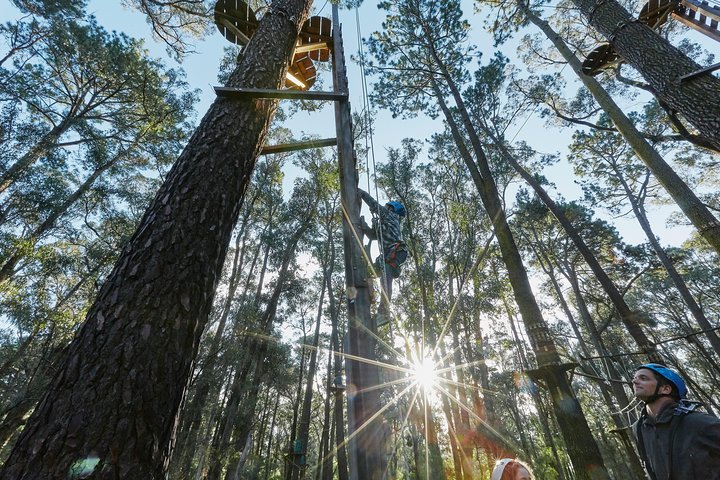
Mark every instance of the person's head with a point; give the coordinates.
(510, 469)
(653, 381)
(397, 207)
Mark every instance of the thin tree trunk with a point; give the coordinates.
(627, 315)
(697, 312)
(324, 461)
(614, 381)
(299, 466)
(338, 404)
(543, 417)
(293, 427)
(582, 448)
(268, 457)
(46, 143)
(254, 362)
(8, 267)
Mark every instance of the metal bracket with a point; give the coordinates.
(700, 72)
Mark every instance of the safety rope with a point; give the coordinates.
(370, 150)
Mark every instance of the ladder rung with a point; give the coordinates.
(245, 93)
(291, 147)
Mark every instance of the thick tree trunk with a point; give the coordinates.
(188, 436)
(665, 71)
(543, 415)
(117, 394)
(660, 63)
(204, 388)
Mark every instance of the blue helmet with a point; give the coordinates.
(669, 375)
(397, 207)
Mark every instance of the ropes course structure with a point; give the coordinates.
(237, 22)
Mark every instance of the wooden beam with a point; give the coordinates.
(703, 8)
(292, 147)
(309, 47)
(696, 25)
(246, 93)
(235, 31)
(696, 15)
(367, 433)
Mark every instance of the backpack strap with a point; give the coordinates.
(681, 411)
(641, 445)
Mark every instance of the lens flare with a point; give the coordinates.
(424, 373)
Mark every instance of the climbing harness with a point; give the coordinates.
(396, 255)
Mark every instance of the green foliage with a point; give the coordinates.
(413, 36)
(176, 23)
(49, 8)
(89, 123)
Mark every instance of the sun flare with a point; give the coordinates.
(424, 373)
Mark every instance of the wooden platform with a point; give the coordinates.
(700, 16)
(237, 22)
(602, 58)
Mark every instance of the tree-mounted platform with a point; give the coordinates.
(237, 22)
(543, 374)
(601, 58)
(698, 15)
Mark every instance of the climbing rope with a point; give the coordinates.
(370, 149)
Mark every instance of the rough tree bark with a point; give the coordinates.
(695, 210)
(661, 65)
(117, 393)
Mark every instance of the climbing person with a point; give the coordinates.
(511, 469)
(387, 220)
(675, 440)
